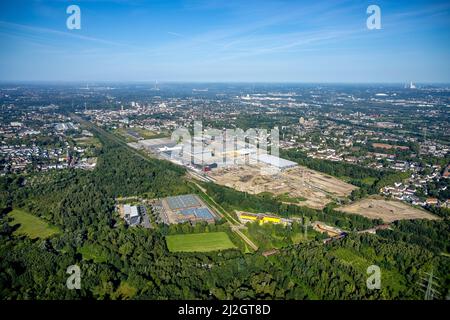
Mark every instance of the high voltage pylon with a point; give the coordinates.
(428, 286)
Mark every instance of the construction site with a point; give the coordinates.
(185, 208)
(316, 188)
(247, 168)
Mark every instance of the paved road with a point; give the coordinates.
(244, 237)
(146, 221)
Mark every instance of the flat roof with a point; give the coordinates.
(132, 211)
(184, 201)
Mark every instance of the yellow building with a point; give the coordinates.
(248, 217)
(260, 217)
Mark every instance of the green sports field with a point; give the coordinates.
(199, 242)
(31, 226)
(93, 252)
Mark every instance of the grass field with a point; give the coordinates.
(88, 141)
(199, 242)
(140, 132)
(31, 226)
(147, 134)
(369, 180)
(300, 237)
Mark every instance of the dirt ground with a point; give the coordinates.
(299, 182)
(387, 210)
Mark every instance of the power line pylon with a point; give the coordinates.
(429, 286)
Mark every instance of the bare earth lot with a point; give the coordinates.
(387, 210)
(300, 182)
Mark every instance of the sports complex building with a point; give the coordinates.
(184, 208)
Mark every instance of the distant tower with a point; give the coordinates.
(85, 107)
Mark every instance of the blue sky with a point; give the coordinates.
(269, 41)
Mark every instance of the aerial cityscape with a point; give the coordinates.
(199, 186)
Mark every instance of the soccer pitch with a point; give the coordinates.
(199, 242)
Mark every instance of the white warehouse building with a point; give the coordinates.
(274, 161)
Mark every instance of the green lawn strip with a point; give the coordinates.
(32, 226)
(286, 198)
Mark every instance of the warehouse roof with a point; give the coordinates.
(274, 161)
